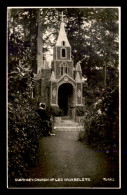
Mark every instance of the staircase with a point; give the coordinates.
(67, 124)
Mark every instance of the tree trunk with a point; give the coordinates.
(39, 44)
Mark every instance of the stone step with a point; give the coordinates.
(60, 128)
(67, 124)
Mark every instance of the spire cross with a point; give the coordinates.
(62, 16)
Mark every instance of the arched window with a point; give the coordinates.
(63, 53)
(66, 69)
(63, 69)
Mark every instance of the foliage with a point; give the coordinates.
(80, 111)
(102, 121)
(24, 125)
(93, 36)
(55, 111)
(24, 131)
(22, 30)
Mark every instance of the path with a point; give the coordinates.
(63, 156)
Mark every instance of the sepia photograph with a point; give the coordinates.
(63, 97)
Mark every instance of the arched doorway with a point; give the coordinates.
(66, 99)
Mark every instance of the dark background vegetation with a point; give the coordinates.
(96, 46)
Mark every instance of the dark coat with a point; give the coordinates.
(43, 114)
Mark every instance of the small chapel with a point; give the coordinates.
(60, 84)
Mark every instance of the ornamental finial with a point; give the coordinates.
(62, 17)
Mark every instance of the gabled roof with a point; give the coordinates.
(62, 36)
(66, 76)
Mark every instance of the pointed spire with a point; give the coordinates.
(78, 78)
(53, 78)
(78, 66)
(62, 35)
(45, 65)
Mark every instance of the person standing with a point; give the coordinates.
(46, 119)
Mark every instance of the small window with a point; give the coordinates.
(62, 70)
(63, 43)
(63, 52)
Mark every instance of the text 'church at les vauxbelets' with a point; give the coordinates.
(60, 85)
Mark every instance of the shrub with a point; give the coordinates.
(24, 131)
(55, 111)
(80, 111)
(101, 121)
(24, 126)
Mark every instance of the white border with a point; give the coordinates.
(119, 11)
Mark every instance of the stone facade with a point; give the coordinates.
(61, 84)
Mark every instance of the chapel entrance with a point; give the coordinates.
(66, 99)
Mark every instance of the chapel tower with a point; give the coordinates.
(62, 62)
(65, 80)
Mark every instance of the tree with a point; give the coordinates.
(93, 35)
(24, 125)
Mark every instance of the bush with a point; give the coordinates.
(55, 111)
(80, 111)
(24, 126)
(24, 131)
(101, 122)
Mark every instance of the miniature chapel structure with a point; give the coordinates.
(60, 84)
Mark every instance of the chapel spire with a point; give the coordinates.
(62, 37)
(62, 17)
